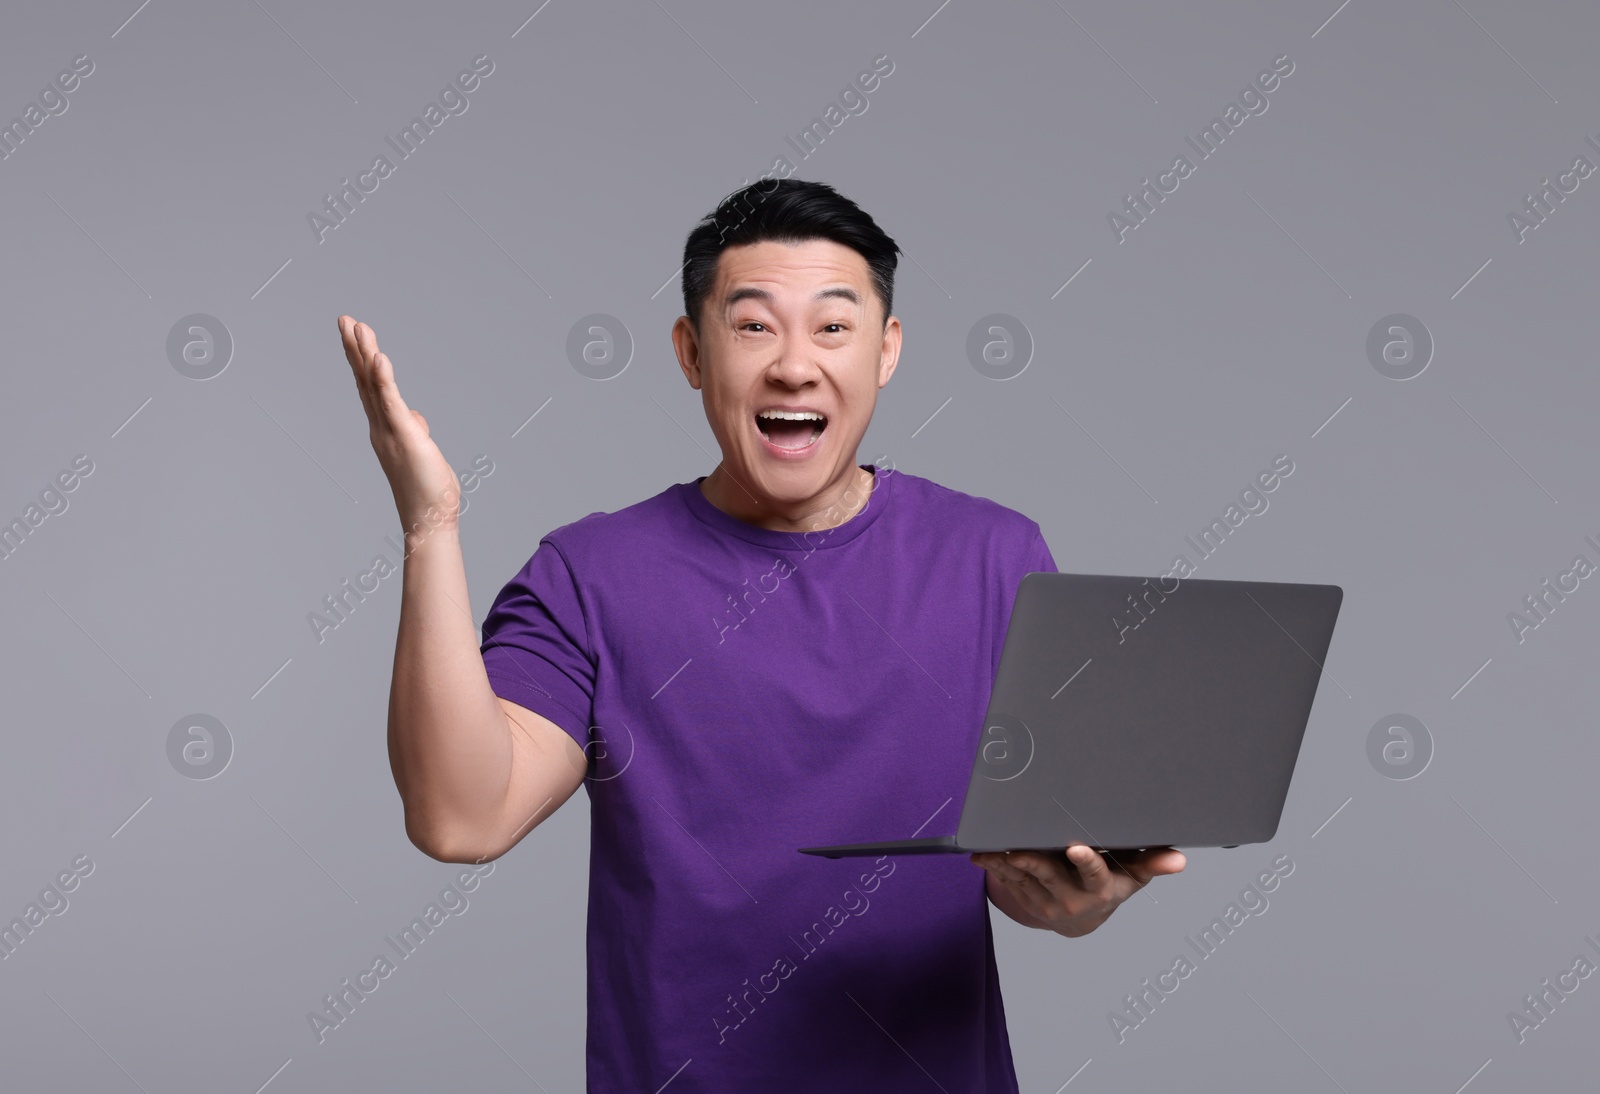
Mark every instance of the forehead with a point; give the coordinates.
(776, 270)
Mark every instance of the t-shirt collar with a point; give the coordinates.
(822, 538)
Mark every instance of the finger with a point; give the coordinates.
(1094, 873)
(1154, 863)
(358, 365)
(367, 340)
(395, 412)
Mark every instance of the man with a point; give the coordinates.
(792, 650)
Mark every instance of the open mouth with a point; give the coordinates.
(791, 430)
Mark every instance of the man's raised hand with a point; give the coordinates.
(426, 491)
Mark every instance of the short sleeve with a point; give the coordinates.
(535, 644)
(1040, 560)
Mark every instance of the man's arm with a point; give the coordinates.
(475, 772)
(1074, 892)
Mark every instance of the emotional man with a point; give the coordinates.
(794, 649)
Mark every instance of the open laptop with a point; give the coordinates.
(1133, 712)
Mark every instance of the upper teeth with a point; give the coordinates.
(791, 415)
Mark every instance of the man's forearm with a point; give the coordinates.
(449, 746)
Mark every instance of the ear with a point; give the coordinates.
(687, 345)
(890, 353)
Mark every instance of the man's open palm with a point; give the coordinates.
(418, 473)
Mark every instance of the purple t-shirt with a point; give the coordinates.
(742, 693)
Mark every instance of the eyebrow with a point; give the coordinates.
(751, 292)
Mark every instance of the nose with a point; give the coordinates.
(793, 366)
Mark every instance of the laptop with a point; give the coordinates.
(1134, 712)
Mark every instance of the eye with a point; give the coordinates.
(839, 325)
(752, 323)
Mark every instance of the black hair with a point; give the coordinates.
(784, 211)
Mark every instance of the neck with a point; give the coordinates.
(834, 505)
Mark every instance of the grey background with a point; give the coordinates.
(1229, 328)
